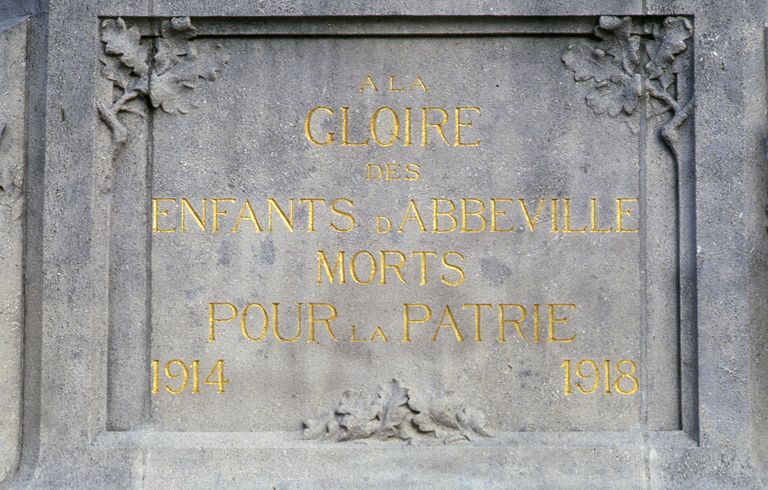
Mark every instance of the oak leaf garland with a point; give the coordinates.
(669, 41)
(619, 78)
(395, 412)
(125, 43)
(165, 79)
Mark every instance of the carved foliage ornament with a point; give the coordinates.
(624, 69)
(395, 412)
(165, 78)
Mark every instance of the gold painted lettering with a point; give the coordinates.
(412, 213)
(567, 219)
(395, 127)
(554, 321)
(593, 222)
(273, 206)
(407, 320)
(503, 321)
(464, 124)
(157, 213)
(532, 221)
(348, 215)
(213, 319)
(247, 214)
(477, 307)
(187, 207)
(392, 87)
(438, 126)
(408, 126)
(436, 214)
(396, 267)
(338, 268)
(554, 228)
(264, 325)
(276, 323)
(326, 322)
(383, 224)
(477, 214)
(621, 213)
(368, 83)
(423, 255)
(310, 211)
(447, 313)
(453, 267)
(371, 263)
(496, 213)
(329, 137)
(419, 83)
(345, 130)
(217, 212)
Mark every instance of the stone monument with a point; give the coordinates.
(390, 245)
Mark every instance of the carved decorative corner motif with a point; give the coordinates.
(396, 412)
(162, 72)
(625, 69)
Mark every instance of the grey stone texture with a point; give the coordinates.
(13, 69)
(106, 105)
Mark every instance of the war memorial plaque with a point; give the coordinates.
(293, 246)
(340, 220)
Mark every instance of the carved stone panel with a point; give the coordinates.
(457, 218)
(434, 244)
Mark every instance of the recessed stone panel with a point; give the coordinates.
(462, 213)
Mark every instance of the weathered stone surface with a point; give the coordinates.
(13, 76)
(655, 106)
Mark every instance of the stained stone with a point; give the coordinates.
(13, 62)
(314, 245)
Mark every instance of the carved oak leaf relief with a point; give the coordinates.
(395, 412)
(617, 39)
(125, 44)
(165, 79)
(436, 414)
(625, 69)
(669, 40)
